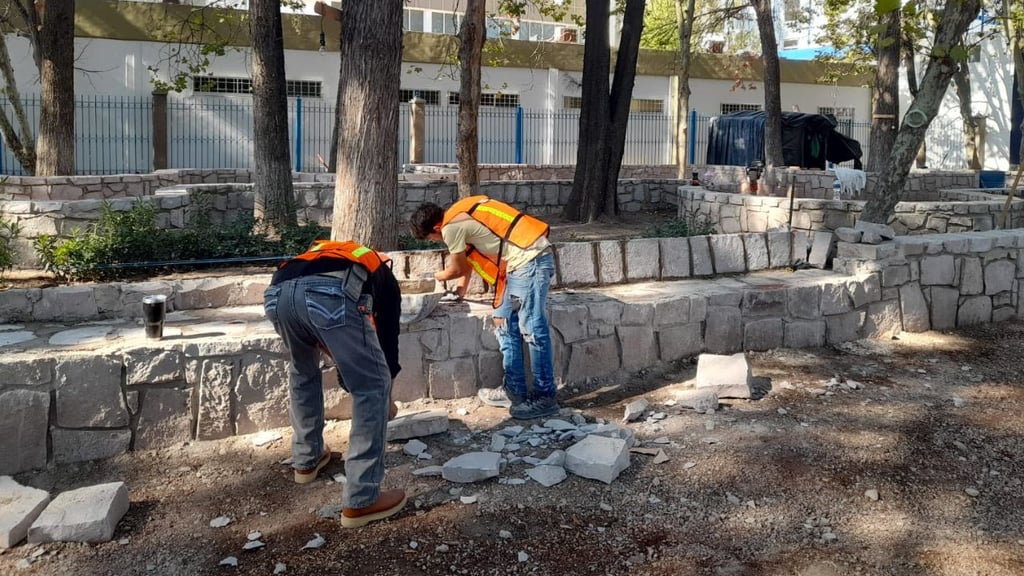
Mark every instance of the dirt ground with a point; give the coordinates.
(776, 486)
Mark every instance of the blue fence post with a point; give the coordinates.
(692, 144)
(519, 134)
(298, 134)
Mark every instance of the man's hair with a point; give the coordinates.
(424, 219)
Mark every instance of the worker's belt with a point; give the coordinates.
(353, 278)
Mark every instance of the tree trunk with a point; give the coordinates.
(684, 22)
(20, 139)
(587, 197)
(772, 85)
(366, 188)
(910, 64)
(620, 98)
(472, 35)
(962, 82)
(885, 103)
(952, 25)
(55, 148)
(332, 160)
(272, 184)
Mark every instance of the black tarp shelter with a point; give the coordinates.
(808, 140)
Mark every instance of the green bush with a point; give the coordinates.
(129, 243)
(8, 231)
(691, 224)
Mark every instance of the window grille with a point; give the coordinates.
(432, 97)
(728, 108)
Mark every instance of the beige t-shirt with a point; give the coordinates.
(463, 230)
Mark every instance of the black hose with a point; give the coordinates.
(209, 261)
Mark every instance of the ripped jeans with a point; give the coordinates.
(524, 309)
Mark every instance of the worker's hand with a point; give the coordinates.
(498, 322)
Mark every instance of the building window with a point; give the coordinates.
(495, 99)
(432, 97)
(229, 85)
(646, 106)
(445, 23)
(839, 113)
(499, 28)
(729, 108)
(412, 20)
(572, 102)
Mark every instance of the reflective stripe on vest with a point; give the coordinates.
(347, 250)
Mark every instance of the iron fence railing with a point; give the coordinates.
(114, 134)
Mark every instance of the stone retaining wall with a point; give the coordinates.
(817, 184)
(495, 172)
(955, 211)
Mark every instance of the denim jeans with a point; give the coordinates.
(311, 311)
(524, 309)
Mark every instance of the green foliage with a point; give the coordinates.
(408, 242)
(194, 42)
(129, 243)
(8, 231)
(690, 224)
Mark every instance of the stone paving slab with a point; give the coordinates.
(87, 514)
(19, 508)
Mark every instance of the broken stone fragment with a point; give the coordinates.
(417, 424)
(598, 458)
(472, 467)
(87, 514)
(727, 376)
(19, 507)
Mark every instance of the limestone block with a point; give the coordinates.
(605, 315)
(779, 249)
(36, 372)
(999, 276)
(89, 393)
(944, 302)
(570, 321)
(261, 394)
(671, 310)
(490, 369)
(883, 230)
(729, 376)
(677, 342)
(472, 467)
(576, 263)
(757, 251)
(637, 314)
(769, 302)
(724, 331)
(464, 336)
(851, 235)
(423, 263)
(937, 270)
(675, 257)
(642, 259)
(882, 320)
(84, 445)
(727, 251)
(610, 264)
(454, 378)
(914, 308)
(804, 334)
(417, 425)
(1003, 314)
(196, 294)
(435, 341)
(703, 265)
(153, 366)
(974, 310)
(215, 381)
(598, 458)
(19, 507)
(87, 514)
(865, 290)
(66, 304)
(804, 302)
(220, 347)
(701, 401)
(23, 419)
(15, 305)
(165, 418)
(337, 401)
(638, 347)
(844, 327)
(972, 277)
(593, 358)
(872, 252)
(547, 475)
(411, 382)
(835, 299)
(821, 249)
(763, 334)
(895, 275)
(801, 244)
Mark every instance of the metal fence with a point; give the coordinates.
(114, 134)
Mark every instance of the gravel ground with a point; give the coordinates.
(899, 457)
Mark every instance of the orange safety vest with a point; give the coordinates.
(348, 250)
(508, 224)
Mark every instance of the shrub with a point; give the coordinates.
(8, 231)
(691, 224)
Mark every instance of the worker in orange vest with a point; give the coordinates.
(341, 298)
(510, 251)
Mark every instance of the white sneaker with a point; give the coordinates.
(494, 397)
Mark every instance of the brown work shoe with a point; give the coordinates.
(307, 475)
(388, 504)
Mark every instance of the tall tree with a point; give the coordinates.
(947, 50)
(472, 35)
(972, 126)
(17, 132)
(684, 24)
(366, 186)
(604, 114)
(885, 102)
(772, 83)
(272, 184)
(1012, 16)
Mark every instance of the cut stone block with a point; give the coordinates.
(848, 235)
(763, 334)
(639, 350)
(914, 308)
(944, 302)
(700, 400)
(472, 467)
(804, 334)
(680, 341)
(635, 409)
(89, 393)
(779, 249)
(84, 445)
(609, 259)
(757, 251)
(598, 458)
(452, 378)
(675, 257)
(724, 330)
(613, 431)
(576, 263)
(821, 249)
(727, 376)
(19, 507)
(999, 276)
(85, 515)
(642, 259)
(883, 230)
(547, 475)
(727, 250)
(23, 417)
(703, 265)
(937, 270)
(974, 310)
(417, 424)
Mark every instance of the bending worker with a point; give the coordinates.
(341, 298)
(510, 250)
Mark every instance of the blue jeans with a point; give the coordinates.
(313, 311)
(524, 308)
